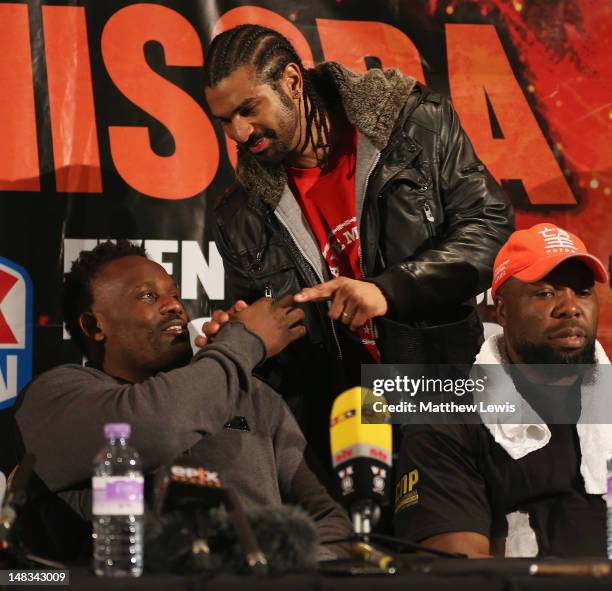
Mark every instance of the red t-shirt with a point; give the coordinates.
(327, 199)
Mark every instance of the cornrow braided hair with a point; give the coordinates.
(269, 52)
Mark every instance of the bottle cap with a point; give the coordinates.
(117, 430)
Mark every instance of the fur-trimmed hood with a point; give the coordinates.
(372, 102)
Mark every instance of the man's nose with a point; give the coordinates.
(240, 130)
(171, 304)
(568, 304)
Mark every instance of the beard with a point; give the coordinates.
(563, 360)
(274, 154)
(280, 139)
(532, 353)
(165, 352)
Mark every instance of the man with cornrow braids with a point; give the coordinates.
(361, 195)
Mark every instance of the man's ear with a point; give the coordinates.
(91, 327)
(500, 311)
(292, 79)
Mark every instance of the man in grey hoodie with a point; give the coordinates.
(124, 312)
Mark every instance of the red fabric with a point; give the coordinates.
(7, 282)
(327, 199)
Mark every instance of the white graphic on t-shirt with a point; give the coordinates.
(343, 235)
(346, 236)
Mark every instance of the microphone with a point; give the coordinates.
(193, 491)
(15, 498)
(12, 549)
(186, 484)
(361, 457)
(375, 557)
(254, 556)
(284, 535)
(187, 487)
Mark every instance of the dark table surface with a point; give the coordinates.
(443, 575)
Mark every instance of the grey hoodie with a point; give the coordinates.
(61, 415)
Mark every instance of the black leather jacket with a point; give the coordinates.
(432, 219)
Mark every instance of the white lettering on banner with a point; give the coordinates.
(486, 297)
(8, 379)
(72, 248)
(156, 250)
(194, 267)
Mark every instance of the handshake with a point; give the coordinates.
(352, 303)
(277, 324)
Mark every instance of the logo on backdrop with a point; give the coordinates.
(15, 330)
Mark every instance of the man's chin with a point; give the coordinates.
(270, 156)
(177, 354)
(545, 354)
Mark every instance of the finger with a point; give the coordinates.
(263, 301)
(285, 302)
(297, 332)
(239, 306)
(346, 307)
(339, 302)
(348, 313)
(210, 328)
(200, 341)
(318, 293)
(360, 318)
(220, 316)
(295, 315)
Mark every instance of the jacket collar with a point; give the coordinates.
(372, 102)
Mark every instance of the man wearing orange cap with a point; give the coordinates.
(537, 274)
(535, 487)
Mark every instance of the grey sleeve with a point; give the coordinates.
(61, 415)
(298, 483)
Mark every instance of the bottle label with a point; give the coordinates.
(118, 495)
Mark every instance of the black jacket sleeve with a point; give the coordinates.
(478, 220)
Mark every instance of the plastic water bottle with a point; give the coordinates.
(609, 504)
(118, 506)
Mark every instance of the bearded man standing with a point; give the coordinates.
(362, 195)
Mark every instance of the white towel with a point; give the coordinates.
(532, 434)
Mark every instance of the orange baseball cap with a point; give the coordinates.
(531, 254)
